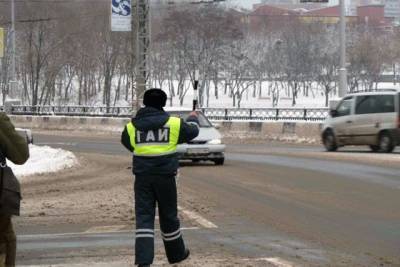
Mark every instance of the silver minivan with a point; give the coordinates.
(207, 146)
(368, 118)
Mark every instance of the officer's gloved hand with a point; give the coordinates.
(193, 117)
(194, 113)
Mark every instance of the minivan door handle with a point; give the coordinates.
(349, 121)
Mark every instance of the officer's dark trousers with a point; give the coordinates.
(149, 190)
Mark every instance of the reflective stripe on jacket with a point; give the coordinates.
(158, 142)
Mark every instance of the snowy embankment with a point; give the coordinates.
(44, 159)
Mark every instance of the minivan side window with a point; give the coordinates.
(364, 104)
(344, 108)
(385, 104)
(375, 104)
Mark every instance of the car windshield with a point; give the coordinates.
(203, 121)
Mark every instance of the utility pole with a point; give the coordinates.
(141, 42)
(142, 33)
(13, 84)
(343, 69)
(134, 49)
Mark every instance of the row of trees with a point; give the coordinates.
(66, 54)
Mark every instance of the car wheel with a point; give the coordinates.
(219, 161)
(329, 141)
(386, 143)
(374, 148)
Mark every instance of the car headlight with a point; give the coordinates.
(214, 142)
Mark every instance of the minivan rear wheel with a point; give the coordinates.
(374, 148)
(386, 142)
(219, 162)
(329, 141)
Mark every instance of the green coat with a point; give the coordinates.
(14, 146)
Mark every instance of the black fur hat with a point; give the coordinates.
(155, 98)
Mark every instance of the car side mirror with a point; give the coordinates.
(25, 133)
(217, 126)
(333, 113)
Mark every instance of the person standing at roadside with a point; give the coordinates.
(14, 148)
(153, 136)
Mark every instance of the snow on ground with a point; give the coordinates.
(316, 99)
(44, 159)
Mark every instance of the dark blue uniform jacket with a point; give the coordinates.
(149, 118)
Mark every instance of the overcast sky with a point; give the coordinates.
(245, 3)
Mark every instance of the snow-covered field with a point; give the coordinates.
(44, 159)
(316, 98)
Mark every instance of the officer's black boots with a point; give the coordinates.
(186, 255)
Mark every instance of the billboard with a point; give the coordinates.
(121, 15)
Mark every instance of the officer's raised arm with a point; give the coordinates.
(189, 129)
(125, 139)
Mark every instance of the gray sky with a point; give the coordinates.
(245, 3)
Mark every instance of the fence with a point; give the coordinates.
(72, 111)
(227, 114)
(267, 114)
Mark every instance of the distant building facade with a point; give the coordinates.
(352, 5)
(391, 7)
(372, 16)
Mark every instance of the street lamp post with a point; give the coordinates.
(343, 69)
(13, 81)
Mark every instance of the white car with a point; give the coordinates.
(207, 146)
(368, 118)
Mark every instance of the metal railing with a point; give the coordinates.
(267, 114)
(72, 111)
(226, 114)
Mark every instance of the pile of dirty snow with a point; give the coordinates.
(44, 159)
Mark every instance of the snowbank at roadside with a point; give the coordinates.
(44, 159)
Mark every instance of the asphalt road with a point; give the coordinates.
(294, 203)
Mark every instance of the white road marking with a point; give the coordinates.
(105, 229)
(55, 143)
(89, 231)
(278, 262)
(197, 218)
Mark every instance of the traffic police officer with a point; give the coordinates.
(152, 136)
